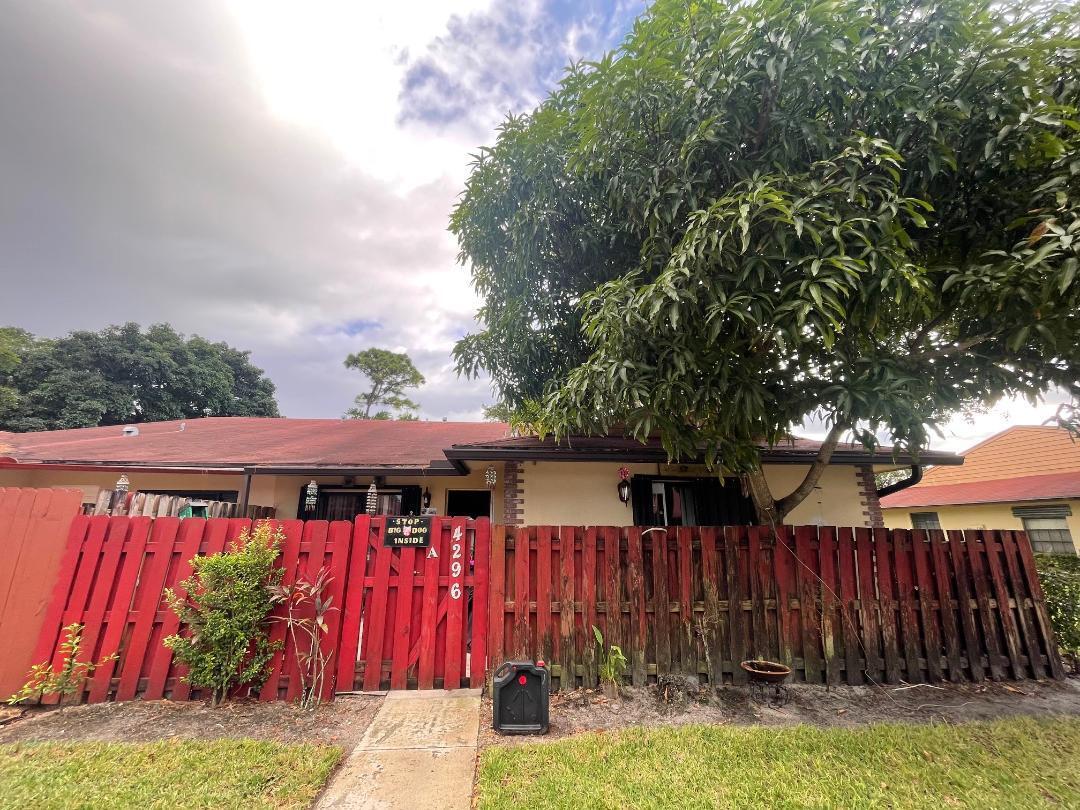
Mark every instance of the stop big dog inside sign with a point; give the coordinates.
(407, 532)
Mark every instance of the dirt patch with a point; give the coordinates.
(341, 723)
(585, 710)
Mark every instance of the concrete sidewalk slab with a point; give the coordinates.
(420, 750)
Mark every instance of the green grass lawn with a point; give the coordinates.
(1019, 763)
(174, 774)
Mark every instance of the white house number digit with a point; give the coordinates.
(455, 569)
(455, 590)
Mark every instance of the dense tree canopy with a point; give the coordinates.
(122, 375)
(757, 213)
(389, 373)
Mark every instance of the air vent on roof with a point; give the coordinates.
(130, 430)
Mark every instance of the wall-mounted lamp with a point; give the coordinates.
(491, 477)
(372, 499)
(122, 483)
(427, 498)
(311, 496)
(624, 485)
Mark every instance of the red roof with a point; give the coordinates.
(233, 442)
(252, 441)
(1025, 488)
(1022, 463)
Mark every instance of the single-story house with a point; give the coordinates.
(451, 468)
(1026, 477)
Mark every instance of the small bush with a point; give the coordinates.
(66, 681)
(1060, 577)
(227, 613)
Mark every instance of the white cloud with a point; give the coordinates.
(337, 66)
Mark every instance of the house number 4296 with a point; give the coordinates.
(455, 566)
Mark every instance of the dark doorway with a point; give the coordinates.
(471, 503)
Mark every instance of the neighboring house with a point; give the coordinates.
(1027, 477)
(455, 468)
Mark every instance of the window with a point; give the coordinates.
(345, 503)
(689, 502)
(1047, 528)
(925, 520)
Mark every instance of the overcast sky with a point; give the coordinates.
(277, 175)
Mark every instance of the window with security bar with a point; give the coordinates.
(1047, 528)
(925, 520)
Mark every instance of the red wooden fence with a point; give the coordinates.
(33, 531)
(856, 605)
(407, 629)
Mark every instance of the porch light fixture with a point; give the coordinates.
(372, 499)
(311, 498)
(490, 477)
(427, 498)
(122, 483)
(624, 485)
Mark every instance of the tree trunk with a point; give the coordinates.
(768, 513)
(771, 511)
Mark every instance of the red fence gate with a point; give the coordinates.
(405, 611)
(414, 613)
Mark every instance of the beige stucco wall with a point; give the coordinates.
(981, 516)
(584, 493)
(280, 491)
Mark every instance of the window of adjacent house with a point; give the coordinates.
(1047, 528)
(925, 520)
(1049, 535)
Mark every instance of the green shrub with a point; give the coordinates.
(226, 609)
(1060, 577)
(66, 681)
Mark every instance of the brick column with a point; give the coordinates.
(868, 497)
(513, 494)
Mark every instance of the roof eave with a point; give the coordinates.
(649, 455)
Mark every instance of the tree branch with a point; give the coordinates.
(813, 475)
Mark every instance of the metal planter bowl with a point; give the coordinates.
(766, 671)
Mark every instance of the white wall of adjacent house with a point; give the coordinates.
(987, 516)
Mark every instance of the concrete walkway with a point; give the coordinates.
(419, 751)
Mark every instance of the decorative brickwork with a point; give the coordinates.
(868, 496)
(513, 494)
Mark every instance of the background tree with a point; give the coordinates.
(12, 343)
(499, 412)
(390, 374)
(757, 214)
(123, 375)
